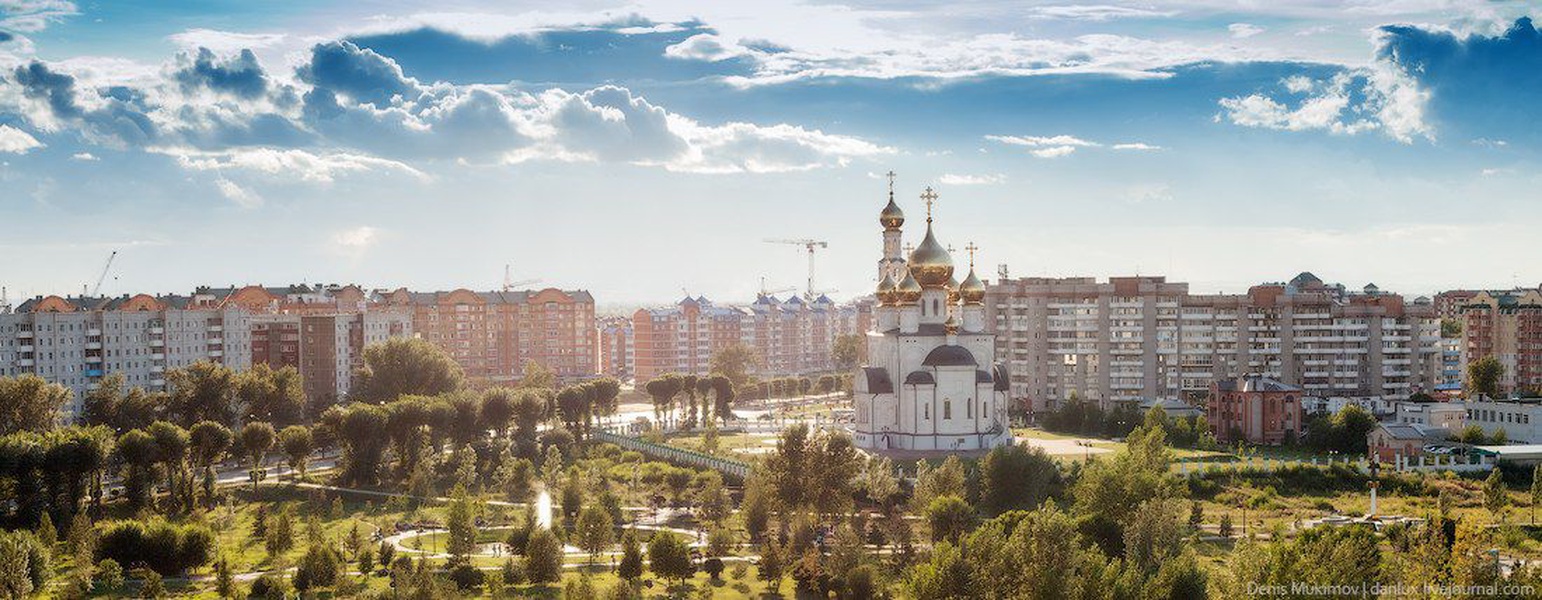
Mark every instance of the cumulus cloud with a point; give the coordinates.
(958, 179)
(84, 157)
(239, 76)
(355, 241)
(243, 197)
(34, 15)
(1388, 103)
(705, 46)
(357, 73)
(295, 164)
(16, 141)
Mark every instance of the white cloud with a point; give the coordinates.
(16, 141)
(1244, 30)
(1392, 103)
(84, 157)
(33, 15)
(1148, 192)
(293, 164)
(1053, 151)
(224, 42)
(1142, 146)
(1040, 141)
(354, 242)
(1096, 12)
(243, 197)
(705, 46)
(956, 179)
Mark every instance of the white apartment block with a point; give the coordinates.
(1140, 338)
(74, 342)
(1521, 421)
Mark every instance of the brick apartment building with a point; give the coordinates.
(615, 336)
(789, 337)
(1507, 326)
(491, 335)
(1130, 339)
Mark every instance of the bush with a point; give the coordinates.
(165, 548)
(713, 566)
(270, 586)
(466, 577)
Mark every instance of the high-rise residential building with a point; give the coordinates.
(1508, 327)
(76, 341)
(491, 335)
(615, 352)
(789, 337)
(1134, 338)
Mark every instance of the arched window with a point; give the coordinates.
(926, 412)
(934, 306)
(947, 409)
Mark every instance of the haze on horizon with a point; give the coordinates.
(642, 150)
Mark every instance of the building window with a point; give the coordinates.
(947, 409)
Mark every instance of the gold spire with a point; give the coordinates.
(972, 290)
(888, 290)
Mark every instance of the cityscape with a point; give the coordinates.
(804, 300)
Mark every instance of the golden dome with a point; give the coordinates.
(952, 291)
(930, 263)
(891, 217)
(951, 325)
(972, 290)
(888, 292)
(908, 291)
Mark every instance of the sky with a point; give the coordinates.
(647, 149)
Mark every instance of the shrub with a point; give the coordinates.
(465, 576)
(165, 548)
(270, 586)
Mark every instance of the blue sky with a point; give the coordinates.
(638, 149)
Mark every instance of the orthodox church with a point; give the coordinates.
(932, 382)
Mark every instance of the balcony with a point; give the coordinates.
(93, 345)
(95, 360)
(216, 328)
(157, 343)
(157, 369)
(24, 362)
(24, 348)
(94, 332)
(156, 330)
(25, 334)
(158, 356)
(216, 341)
(216, 353)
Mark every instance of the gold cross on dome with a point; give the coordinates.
(891, 176)
(929, 196)
(909, 247)
(971, 248)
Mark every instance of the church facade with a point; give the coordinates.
(931, 382)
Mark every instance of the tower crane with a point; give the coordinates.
(103, 277)
(765, 291)
(508, 280)
(811, 245)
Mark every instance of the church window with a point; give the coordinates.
(968, 409)
(926, 412)
(934, 306)
(947, 409)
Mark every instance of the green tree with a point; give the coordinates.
(1450, 328)
(171, 445)
(209, 442)
(670, 557)
(735, 362)
(497, 410)
(1484, 375)
(949, 518)
(1495, 495)
(271, 395)
(459, 522)
(543, 556)
(405, 366)
(771, 566)
(1536, 491)
(30, 403)
(947, 478)
(847, 351)
(537, 376)
(297, 443)
(255, 440)
(631, 567)
(202, 391)
(1015, 477)
(594, 530)
(137, 453)
(944, 577)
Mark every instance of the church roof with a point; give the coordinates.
(878, 381)
(983, 376)
(1003, 380)
(950, 356)
(919, 378)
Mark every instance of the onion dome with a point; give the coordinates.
(888, 292)
(909, 290)
(930, 263)
(972, 290)
(892, 217)
(951, 325)
(952, 291)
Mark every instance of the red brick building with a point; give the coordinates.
(1254, 409)
(493, 334)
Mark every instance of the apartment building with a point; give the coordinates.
(491, 335)
(615, 351)
(789, 336)
(75, 341)
(1133, 338)
(1508, 327)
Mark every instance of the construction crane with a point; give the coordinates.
(811, 245)
(508, 280)
(764, 291)
(103, 277)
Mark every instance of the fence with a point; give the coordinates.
(679, 456)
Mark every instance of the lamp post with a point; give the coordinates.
(1374, 483)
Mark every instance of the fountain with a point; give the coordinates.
(543, 509)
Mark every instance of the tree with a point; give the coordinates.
(163, 547)
(1495, 495)
(1450, 328)
(202, 391)
(670, 557)
(1536, 491)
(405, 366)
(723, 391)
(713, 566)
(30, 403)
(543, 556)
(171, 444)
(1483, 376)
(320, 567)
(255, 440)
(137, 452)
(771, 566)
(297, 444)
(948, 478)
(497, 410)
(209, 442)
(734, 361)
(537, 376)
(271, 395)
(631, 567)
(949, 517)
(1153, 536)
(594, 530)
(359, 430)
(945, 576)
(847, 351)
(100, 406)
(458, 520)
(1014, 477)
(813, 470)
(756, 507)
(662, 391)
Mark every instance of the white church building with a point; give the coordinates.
(931, 382)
